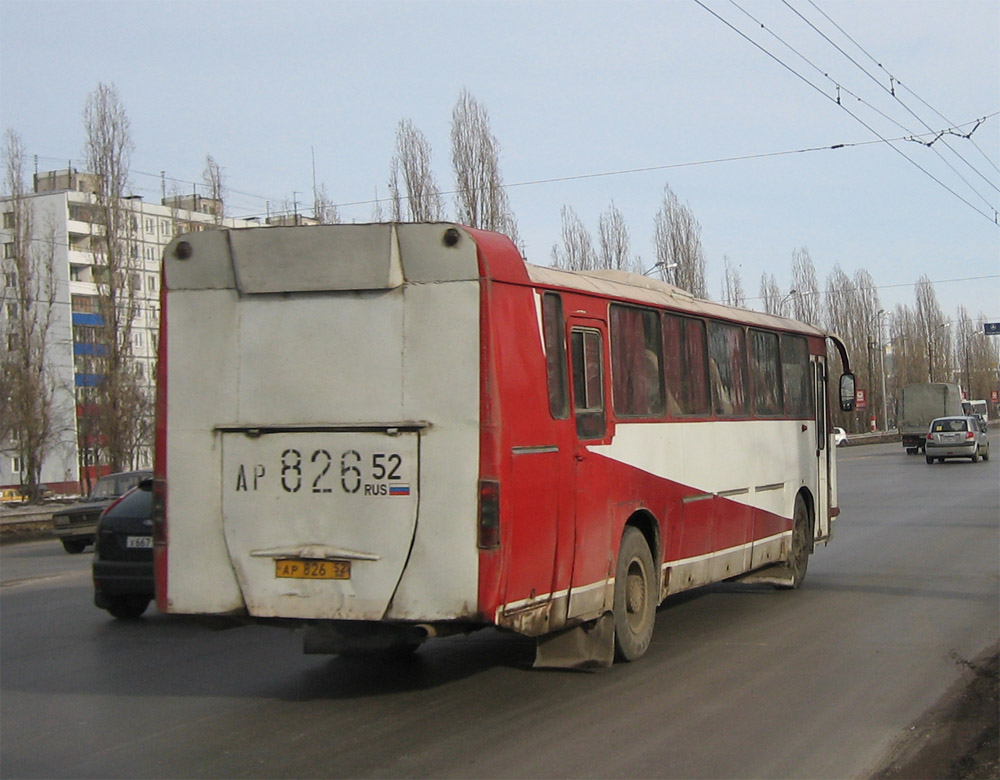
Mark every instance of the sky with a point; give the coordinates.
(592, 103)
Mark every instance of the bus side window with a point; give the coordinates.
(796, 376)
(636, 376)
(555, 355)
(766, 373)
(727, 367)
(685, 364)
(588, 383)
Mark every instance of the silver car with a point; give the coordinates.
(957, 437)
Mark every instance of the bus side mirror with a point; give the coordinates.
(847, 397)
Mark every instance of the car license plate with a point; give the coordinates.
(139, 542)
(297, 569)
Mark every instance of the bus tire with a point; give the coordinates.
(802, 542)
(635, 596)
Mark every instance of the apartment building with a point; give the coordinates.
(64, 229)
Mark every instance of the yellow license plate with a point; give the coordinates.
(296, 569)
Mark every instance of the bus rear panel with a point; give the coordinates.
(319, 421)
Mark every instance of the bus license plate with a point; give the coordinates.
(296, 569)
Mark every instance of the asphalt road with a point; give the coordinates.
(740, 681)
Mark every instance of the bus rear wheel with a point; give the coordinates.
(635, 597)
(802, 542)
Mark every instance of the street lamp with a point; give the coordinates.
(781, 306)
(662, 266)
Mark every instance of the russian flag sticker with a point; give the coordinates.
(399, 490)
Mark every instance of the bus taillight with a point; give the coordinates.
(489, 514)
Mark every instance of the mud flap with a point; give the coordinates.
(587, 646)
(779, 575)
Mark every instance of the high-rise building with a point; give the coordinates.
(67, 233)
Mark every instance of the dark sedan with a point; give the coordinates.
(74, 525)
(123, 554)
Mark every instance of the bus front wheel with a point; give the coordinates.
(635, 596)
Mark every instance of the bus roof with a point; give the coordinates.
(635, 287)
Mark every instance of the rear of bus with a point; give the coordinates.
(318, 427)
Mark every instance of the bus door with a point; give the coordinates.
(822, 528)
(592, 559)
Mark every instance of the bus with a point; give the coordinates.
(384, 433)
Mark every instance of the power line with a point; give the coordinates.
(904, 284)
(891, 91)
(993, 218)
(673, 166)
(646, 169)
(841, 88)
(894, 81)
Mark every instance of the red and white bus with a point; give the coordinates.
(395, 431)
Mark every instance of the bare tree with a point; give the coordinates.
(732, 285)
(27, 378)
(679, 255)
(842, 303)
(613, 238)
(909, 348)
(934, 330)
(395, 192)
(324, 210)
(977, 355)
(839, 299)
(378, 209)
(116, 402)
(577, 250)
(976, 358)
(865, 322)
(413, 162)
(770, 294)
(965, 334)
(475, 155)
(215, 186)
(806, 300)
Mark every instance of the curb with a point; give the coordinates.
(21, 525)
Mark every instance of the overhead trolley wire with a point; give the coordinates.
(992, 218)
(672, 166)
(892, 92)
(894, 81)
(841, 88)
